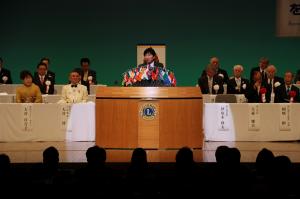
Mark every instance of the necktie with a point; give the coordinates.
(42, 79)
(288, 90)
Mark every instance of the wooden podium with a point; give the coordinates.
(149, 117)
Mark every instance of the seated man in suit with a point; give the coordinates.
(87, 76)
(214, 63)
(255, 94)
(210, 82)
(49, 73)
(43, 79)
(262, 65)
(237, 84)
(5, 77)
(272, 82)
(28, 92)
(287, 92)
(74, 92)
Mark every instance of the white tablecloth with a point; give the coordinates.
(234, 126)
(45, 122)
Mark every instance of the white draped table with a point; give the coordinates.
(251, 122)
(47, 122)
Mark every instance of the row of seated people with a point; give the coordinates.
(272, 175)
(263, 87)
(45, 78)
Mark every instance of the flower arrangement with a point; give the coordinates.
(145, 76)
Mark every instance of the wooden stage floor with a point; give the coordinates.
(25, 152)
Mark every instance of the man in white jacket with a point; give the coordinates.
(74, 92)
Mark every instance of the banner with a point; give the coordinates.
(27, 117)
(65, 114)
(253, 117)
(285, 117)
(223, 117)
(288, 18)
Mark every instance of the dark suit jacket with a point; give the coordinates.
(264, 77)
(282, 97)
(43, 86)
(231, 86)
(49, 73)
(5, 72)
(269, 87)
(203, 84)
(220, 71)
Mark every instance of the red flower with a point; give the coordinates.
(263, 90)
(292, 94)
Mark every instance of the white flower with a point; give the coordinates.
(244, 86)
(221, 75)
(48, 83)
(90, 78)
(277, 84)
(216, 87)
(4, 78)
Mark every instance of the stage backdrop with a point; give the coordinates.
(237, 31)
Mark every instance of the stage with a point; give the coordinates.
(74, 152)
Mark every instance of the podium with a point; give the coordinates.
(149, 117)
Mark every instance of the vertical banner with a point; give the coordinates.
(27, 117)
(65, 111)
(288, 18)
(223, 117)
(285, 117)
(253, 117)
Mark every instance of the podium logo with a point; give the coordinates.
(148, 111)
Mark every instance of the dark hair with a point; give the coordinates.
(1, 60)
(150, 50)
(41, 64)
(51, 155)
(45, 59)
(184, 157)
(24, 74)
(85, 59)
(96, 155)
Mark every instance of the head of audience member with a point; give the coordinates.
(257, 77)
(51, 157)
(184, 158)
(4, 164)
(210, 71)
(263, 63)
(149, 55)
(282, 166)
(271, 71)
(214, 62)
(46, 61)
(234, 157)
(74, 77)
(1, 63)
(288, 77)
(221, 155)
(26, 77)
(238, 71)
(42, 69)
(96, 156)
(264, 161)
(85, 64)
(139, 158)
